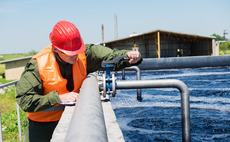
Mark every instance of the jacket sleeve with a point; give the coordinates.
(95, 54)
(29, 91)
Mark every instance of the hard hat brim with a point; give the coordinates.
(74, 51)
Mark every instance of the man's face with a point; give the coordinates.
(66, 58)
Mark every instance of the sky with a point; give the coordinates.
(25, 25)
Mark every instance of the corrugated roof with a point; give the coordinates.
(141, 34)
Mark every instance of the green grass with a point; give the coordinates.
(9, 115)
(227, 52)
(3, 81)
(8, 105)
(222, 51)
(10, 125)
(14, 56)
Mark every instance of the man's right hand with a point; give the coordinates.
(69, 97)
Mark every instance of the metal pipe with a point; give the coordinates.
(18, 110)
(138, 72)
(138, 77)
(167, 83)
(19, 118)
(87, 123)
(7, 84)
(123, 74)
(1, 138)
(184, 62)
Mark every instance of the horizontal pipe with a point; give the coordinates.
(167, 83)
(87, 123)
(7, 84)
(184, 62)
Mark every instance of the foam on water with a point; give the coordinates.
(158, 116)
(184, 75)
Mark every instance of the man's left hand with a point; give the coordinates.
(134, 56)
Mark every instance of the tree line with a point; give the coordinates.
(223, 46)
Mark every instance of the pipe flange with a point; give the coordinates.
(104, 86)
(113, 85)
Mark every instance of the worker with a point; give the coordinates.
(55, 75)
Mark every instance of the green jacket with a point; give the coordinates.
(29, 87)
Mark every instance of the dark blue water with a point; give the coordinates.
(158, 117)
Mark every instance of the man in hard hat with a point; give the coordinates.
(55, 75)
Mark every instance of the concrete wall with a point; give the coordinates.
(14, 68)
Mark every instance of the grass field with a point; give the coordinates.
(9, 114)
(8, 105)
(14, 56)
(221, 50)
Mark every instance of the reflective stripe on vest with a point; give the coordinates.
(52, 80)
(55, 108)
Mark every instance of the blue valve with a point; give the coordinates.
(109, 64)
(108, 78)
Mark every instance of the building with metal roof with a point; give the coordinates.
(162, 44)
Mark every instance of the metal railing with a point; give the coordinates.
(18, 112)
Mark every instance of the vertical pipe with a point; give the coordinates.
(102, 30)
(138, 77)
(1, 139)
(167, 83)
(107, 73)
(123, 74)
(115, 27)
(19, 120)
(87, 123)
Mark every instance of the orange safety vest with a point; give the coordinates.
(52, 80)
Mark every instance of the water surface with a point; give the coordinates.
(158, 116)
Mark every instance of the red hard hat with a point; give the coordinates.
(66, 38)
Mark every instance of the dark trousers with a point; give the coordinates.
(39, 131)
